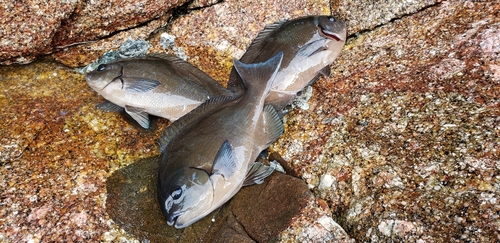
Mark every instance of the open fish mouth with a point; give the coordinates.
(172, 219)
(331, 35)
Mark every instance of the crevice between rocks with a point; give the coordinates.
(175, 12)
(356, 34)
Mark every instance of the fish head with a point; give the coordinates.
(103, 75)
(333, 32)
(332, 28)
(185, 196)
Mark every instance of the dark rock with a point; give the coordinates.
(257, 213)
(267, 209)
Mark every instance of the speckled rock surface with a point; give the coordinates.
(365, 15)
(56, 151)
(31, 28)
(402, 142)
(78, 32)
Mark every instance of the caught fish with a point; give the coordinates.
(209, 154)
(309, 45)
(160, 85)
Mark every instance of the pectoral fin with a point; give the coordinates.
(258, 172)
(139, 115)
(139, 85)
(272, 124)
(109, 106)
(310, 49)
(225, 163)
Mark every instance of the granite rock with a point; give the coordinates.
(403, 138)
(32, 28)
(366, 15)
(79, 32)
(401, 143)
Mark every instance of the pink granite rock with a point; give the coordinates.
(31, 28)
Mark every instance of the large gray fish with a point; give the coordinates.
(309, 44)
(209, 154)
(160, 85)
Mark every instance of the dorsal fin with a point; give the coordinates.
(255, 48)
(178, 126)
(185, 68)
(235, 83)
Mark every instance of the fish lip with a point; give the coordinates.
(172, 220)
(332, 35)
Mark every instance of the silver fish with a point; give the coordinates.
(209, 154)
(160, 85)
(309, 44)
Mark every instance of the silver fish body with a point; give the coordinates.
(207, 154)
(160, 85)
(309, 45)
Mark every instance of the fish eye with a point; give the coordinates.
(101, 67)
(332, 19)
(176, 193)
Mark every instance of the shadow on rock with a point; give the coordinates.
(258, 213)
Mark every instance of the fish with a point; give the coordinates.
(309, 44)
(158, 84)
(209, 154)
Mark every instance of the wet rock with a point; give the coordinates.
(80, 32)
(257, 213)
(266, 210)
(403, 137)
(56, 152)
(399, 144)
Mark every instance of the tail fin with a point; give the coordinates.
(258, 75)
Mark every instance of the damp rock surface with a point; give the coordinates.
(257, 213)
(400, 143)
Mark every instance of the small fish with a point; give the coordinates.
(160, 85)
(309, 44)
(209, 154)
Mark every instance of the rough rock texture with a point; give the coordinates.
(31, 28)
(365, 15)
(78, 32)
(56, 151)
(403, 141)
(26, 28)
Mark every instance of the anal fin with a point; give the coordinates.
(139, 115)
(258, 172)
